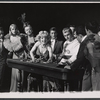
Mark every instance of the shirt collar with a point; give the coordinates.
(84, 38)
(53, 39)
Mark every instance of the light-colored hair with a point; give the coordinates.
(13, 25)
(43, 34)
(26, 24)
(68, 29)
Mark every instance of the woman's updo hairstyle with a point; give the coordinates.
(43, 34)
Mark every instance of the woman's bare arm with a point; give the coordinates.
(33, 49)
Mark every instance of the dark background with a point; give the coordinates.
(43, 16)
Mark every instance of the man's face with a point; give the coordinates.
(53, 34)
(67, 35)
(79, 38)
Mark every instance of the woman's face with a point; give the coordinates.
(28, 30)
(43, 39)
(14, 30)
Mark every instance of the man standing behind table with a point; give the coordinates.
(69, 54)
(81, 61)
(56, 45)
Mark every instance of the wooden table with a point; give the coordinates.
(49, 70)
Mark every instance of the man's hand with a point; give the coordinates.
(68, 67)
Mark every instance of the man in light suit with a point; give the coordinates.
(81, 61)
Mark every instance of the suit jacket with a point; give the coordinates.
(81, 61)
(58, 47)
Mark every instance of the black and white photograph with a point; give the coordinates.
(49, 47)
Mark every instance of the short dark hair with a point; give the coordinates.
(72, 25)
(80, 30)
(93, 26)
(53, 29)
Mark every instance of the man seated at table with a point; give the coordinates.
(70, 48)
(56, 45)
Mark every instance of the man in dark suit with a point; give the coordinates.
(81, 61)
(56, 45)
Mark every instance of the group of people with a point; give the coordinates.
(81, 49)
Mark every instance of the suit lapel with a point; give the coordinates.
(82, 46)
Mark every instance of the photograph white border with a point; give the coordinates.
(41, 95)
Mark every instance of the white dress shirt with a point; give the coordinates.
(84, 38)
(52, 44)
(71, 50)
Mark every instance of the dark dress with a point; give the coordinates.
(42, 57)
(28, 47)
(35, 79)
